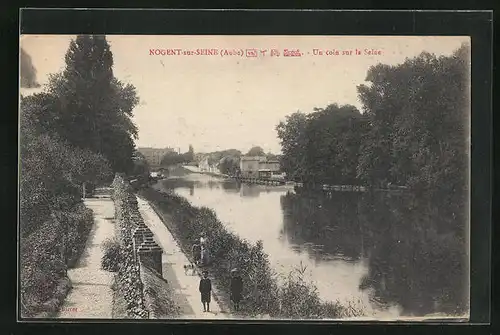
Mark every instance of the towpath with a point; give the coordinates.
(184, 285)
(91, 295)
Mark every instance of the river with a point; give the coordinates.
(393, 255)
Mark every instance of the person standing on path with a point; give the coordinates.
(204, 256)
(196, 251)
(206, 291)
(236, 289)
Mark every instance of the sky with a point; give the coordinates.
(218, 102)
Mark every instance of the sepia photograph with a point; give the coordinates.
(244, 177)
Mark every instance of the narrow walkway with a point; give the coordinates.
(173, 259)
(91, 295)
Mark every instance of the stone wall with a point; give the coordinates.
(138, 248)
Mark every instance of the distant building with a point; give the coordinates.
(205, 166)
(153, 155)
(258, 167)
(273, 166)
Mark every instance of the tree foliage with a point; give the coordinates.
(174, 158)
(52, 171)
(230, 165)
(256, 151)
(322, 146)
(418, 116)
(77, 131)
(92, 107)
(141, 166)
(27, 71)
(413, 130)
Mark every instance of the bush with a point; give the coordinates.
(45, 256)
(79, 222)
(111, 258)
(42, 267)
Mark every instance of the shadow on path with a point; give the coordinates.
(180, 291)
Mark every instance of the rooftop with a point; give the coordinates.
(253, 158)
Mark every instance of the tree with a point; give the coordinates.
(256, 151)
(51, 170)
(141, 166)
(94, 108)
(171, 158)
(333, 139)
(189, 156)
(418, 122)
(215, 157)
(230, 165)
(27, 71)
(323, 146)
(73, 133)
(291, 133)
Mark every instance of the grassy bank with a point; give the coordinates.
(158, 295)
(294, 298)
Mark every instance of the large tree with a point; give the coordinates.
(51, 170)
(292, 136)
(418, 122)
(323, 146)
(94, 108)
(333, 139)
(256, 151)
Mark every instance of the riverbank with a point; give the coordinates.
(295, 298)
(183, 287)
(194, 169)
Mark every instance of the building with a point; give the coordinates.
(249, 166)
(153, 155)
(205, 166)
(273, 166)
(258, 167)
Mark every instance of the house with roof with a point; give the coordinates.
(258, 167)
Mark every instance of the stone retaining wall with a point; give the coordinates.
(138, 249)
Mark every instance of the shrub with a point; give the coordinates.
(47, 252)
(41, 267)
(78, 223)
(110, 260)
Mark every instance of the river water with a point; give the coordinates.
(392, 255)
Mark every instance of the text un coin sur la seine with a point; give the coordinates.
(348, 52)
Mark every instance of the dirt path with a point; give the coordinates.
(185, 285)
(91, 295)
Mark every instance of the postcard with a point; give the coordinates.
(243, 177)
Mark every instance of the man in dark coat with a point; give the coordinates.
(236, 289)
(205, 290)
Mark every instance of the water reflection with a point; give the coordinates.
(228, 185)
(387, 251)
(414, 247)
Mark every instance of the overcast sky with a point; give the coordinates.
(217, 103)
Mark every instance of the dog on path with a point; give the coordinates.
(190, 269)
